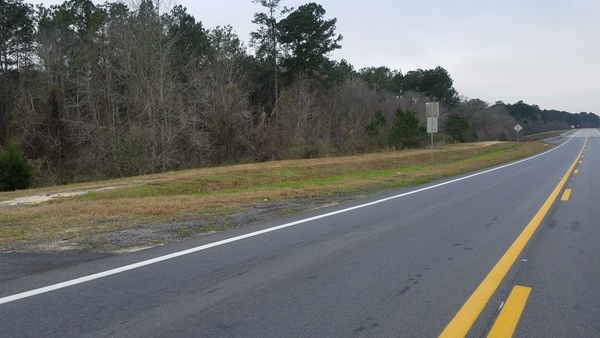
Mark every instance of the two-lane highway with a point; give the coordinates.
(399, 264)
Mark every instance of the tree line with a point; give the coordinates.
(101, 91)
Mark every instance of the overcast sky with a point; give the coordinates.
(544, 52)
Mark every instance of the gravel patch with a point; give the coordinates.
(148, 235)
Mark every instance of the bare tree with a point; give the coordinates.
(494, 123)
(346, 112)
(225, 112)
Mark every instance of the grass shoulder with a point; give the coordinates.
(144, 211)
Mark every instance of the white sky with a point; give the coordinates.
(543, 52)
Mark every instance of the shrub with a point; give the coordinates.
(15, 171)
(375, 130)
(459, 129)
(407, 131)
(299, 149)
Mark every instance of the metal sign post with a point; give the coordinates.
(433, 113)
(518, 128)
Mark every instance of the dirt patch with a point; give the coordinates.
(36, 199)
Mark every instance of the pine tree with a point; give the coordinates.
(407, 130)
(15, 171)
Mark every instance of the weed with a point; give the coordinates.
(286, 211)
(183, 231)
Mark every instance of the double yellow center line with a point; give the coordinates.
(466, 316)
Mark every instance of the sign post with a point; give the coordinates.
(518, 128)
(433, 113)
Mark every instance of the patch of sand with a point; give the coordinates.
(36, 199)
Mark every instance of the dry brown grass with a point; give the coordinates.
(199, 193)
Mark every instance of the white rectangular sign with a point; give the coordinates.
(432, 109)
(432, 124)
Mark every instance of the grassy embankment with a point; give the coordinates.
(208, 193)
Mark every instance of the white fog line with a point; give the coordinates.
(125, 268)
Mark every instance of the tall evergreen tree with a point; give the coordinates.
(265, 39)
(307, 38)
(435, 83)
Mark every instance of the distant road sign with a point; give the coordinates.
(432, 109)
(518, 128)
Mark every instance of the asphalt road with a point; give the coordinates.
(400, 264)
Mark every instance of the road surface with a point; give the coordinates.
(498, 251)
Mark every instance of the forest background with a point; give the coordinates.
(91, 92)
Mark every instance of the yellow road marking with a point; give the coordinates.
(566, 195)
(576, 171)
(509, 317)
(462, 322)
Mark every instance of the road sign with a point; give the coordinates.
(432, 124)
(518, 128)
(432, 109)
